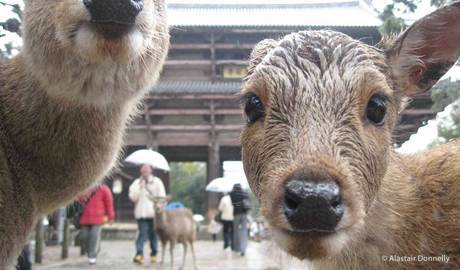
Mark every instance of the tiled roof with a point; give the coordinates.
(274, 13)
(196, 87)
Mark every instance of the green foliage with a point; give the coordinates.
(393, 24)
(11, 25)
(448, 130)
(188, 183)
(439, 3)
(444, 93)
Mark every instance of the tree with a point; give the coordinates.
(10, 26)
(445, 92)
(188, 183)
(394, 24)
(450, 128)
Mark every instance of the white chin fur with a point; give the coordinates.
(89, 45)
(135, 42)
(85, 40)
(333, 243)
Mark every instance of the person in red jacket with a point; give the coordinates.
(98, 209)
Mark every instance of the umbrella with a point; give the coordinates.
(149, 157)
(175, 205)
(224, 184)
(198, 218)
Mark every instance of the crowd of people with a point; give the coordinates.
(232, 218)
(95, 208)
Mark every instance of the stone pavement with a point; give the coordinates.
(210, 256)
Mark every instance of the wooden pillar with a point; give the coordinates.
(65, 240)
(151, 140)
(213, 161)
(39, 239)
(213, 58)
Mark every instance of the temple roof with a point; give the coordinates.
(274, 13)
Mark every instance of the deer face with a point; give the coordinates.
(320, 108)
(160, 203)
(95, 30)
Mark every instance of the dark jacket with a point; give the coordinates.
(238, 195)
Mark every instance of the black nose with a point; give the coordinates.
(120, 14)
(313, 206)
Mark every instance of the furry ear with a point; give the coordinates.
(259, 52)
(423, 53)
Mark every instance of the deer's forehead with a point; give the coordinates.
(315, 65)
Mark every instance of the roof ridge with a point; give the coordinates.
(254, 5)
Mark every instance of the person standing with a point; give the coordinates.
(98, 210)
(241, 206)
(142, 192)
(226, 210)
(24, 261)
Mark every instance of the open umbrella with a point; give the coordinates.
(150, 157)
(224, 184)
(198, 218)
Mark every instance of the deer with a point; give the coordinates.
(317, 148)
(174, 226)
(66, 100)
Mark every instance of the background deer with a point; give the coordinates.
(65, 101)
(320, 110)
(175, 226)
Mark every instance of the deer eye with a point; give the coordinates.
(376, 109)
(253, 108)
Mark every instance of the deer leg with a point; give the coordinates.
(163, 252)
(192, 248)
(184, 244)
(172, 244)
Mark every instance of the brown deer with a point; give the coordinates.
(65, 101)
(317, 151)
(174, 226)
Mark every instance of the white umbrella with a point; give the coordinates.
(224, 184)
(149, 157)
(198, 218)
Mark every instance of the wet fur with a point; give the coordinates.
(315, 86)
(64, 108)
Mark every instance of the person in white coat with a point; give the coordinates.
(226, 210)
(142, 192)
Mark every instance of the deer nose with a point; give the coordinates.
(114, 11)
(313, 206)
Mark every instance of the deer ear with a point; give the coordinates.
(259, 52)
(423, 53)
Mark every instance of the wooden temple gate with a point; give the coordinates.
(193, 113)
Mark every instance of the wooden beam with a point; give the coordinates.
(194, 112)
(188, 62)
(232, 62)
(180, 139)
(239, 62)
(418, 112)
(404, 127)
(206, 46)
(154, 96)
(188, 128)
